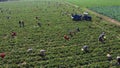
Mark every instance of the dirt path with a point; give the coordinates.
(104, 17)
(110, 20)
(99, 15)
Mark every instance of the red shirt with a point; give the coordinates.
(2, 55)
(13, 34)
(66, 37)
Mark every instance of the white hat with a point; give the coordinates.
(118, 57)
(30, 49)
(108, 55)
(85, 13)
(42, 50)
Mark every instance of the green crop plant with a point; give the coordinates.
(55, 20)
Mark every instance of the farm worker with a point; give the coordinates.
(70, 33)
(8, 17)
(66, 37)
(37, 18)
(13, 34)
(42, 53)
(72, 16)
(21, 23)
(118, 60)
(102, 37)
(85, 48)
(78, 30)
(48, 24)
(29, 50)
(1, 11)
(85, 13)
(39, 24)
(109, 57)
(2, 55)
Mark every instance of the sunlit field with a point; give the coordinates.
(55, 21)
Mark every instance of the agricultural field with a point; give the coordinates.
(111, 11)
(110, 8)
(93, 3)
(54, 16)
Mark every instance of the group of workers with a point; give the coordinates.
(71, 33)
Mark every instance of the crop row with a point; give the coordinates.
(59, 52)
(112, 11)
